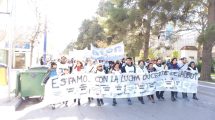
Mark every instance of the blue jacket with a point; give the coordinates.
(173, 66)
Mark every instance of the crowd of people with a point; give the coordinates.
(65, 66)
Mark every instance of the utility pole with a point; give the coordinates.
(45, 41)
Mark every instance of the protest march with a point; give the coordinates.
(108, 74)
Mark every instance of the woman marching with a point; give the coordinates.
(151, 69)
(90, 68)
(173, 66)
(141, 69)
(116, 71)
(193, 69)
(78, 69)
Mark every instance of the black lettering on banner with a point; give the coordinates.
(196, 76)
(145, 77)
(137, 77)
(71, 80)
(69, 90)
(98, 79)
(123, 78)
(131, 78)
(85, 79)
(180, 73)
(166, 72)
(152, 75)
(63, 82)
(114, 78)
(79, 78)
(104, 79)
(106, 88)
(175, 73)
(54, 83)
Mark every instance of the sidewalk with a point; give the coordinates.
(7, 104)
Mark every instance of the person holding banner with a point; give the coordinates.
(183, 65)
(116, 71)
(66, 72)
(159, 67)
(141, 68)
(78, 69)
(107, 67)
(62, 65)
(100, 71)
(129, 68)
(90, 68)
(193, 69)
(151, 69)
(173, 65)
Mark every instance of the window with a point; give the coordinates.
(19, 61)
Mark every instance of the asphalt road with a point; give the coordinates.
(203, 109)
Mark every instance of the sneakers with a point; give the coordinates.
(173, 99)
(142, 102)
(162, 98)
(100, 102)
(129, 102)
(195, 98)
(114, 103)
(153, 100)
(79, 103)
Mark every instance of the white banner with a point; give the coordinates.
(118, 86)
(80, 54)
(114, 52)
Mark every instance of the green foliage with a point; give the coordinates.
(90, 32)
(175, 54)
(153, 54)
(199, 66)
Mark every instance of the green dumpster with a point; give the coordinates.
(30, 82)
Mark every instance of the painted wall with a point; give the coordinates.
(190, 54)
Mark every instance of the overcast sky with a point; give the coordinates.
(64, 18)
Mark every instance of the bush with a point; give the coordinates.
(199, 65)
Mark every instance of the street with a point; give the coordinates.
(203, 109)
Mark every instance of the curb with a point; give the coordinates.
(207, 82)
(11, 105)
(18, 104)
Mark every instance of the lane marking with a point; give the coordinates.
(205, 86)
(207, 82)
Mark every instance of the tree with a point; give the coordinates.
(175, 54)
(208, 43)
(90, 31)
(38, 29)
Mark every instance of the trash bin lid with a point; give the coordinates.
(3, 65)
